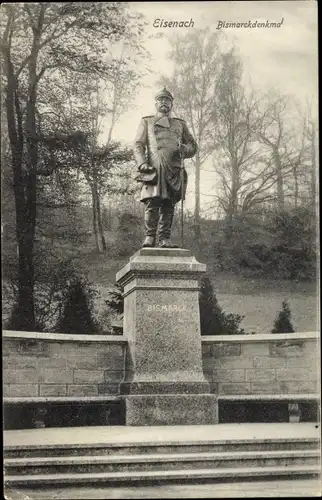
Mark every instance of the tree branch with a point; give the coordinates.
(31, 18)
(54, 36)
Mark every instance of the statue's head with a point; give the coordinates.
(164, 101)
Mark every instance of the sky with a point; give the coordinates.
(283, 58)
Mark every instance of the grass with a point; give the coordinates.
(258, 299)
(261, 310)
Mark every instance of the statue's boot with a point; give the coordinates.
(165, 243)
(151, 217)
(165, 224)
(148, 242)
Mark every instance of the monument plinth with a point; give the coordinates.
(164, 381)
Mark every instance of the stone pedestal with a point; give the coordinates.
(164, 382)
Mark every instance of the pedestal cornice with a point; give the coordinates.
(163, 262)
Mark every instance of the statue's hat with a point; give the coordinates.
(164, 93)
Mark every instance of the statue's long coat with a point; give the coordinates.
(157, 143)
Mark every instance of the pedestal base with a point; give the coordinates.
(148, 388)
(164, 383)
(171, 409)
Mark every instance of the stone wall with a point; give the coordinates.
(273, 364)
(58, 365)
(61, 365)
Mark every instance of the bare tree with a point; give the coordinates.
(286, 133)
(95, 108)
(245, 174)
(310, 159)
(277, 135)
(113, 100)
(197, 60)
(297, 153)
(312, 135)
(87, 106)
(122, 85)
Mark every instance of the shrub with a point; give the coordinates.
(52, 277)
(129, 235)
(16, 319)
(282, 323)
(115, 309)
(115, 300)
(279, 245)
(213, 320)
(77, 314)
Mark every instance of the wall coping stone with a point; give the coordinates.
(258, 337)
(61, 399)
(268, 397)
(98, 399)
(121, 339)
(67, 337)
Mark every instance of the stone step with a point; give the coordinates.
(146, 448)
(161, 461)
(220, 474)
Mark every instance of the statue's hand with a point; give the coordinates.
(182, 150)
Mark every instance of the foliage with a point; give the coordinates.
(16, 319)
(41, 44)
(114, 310)
(275, 244)
(54, 271)
(77, 314)
(115, 300)
(129, 234)
(294, 251)
(99, 162)
(282, 323)
(213, 320)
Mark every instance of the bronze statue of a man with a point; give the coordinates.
(161, 144)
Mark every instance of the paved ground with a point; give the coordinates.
(262, 489)
(173, 434)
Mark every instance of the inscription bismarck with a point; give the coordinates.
(166, 307)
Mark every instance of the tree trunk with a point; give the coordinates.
(234, 190)
(110, 215)
(197, 202)
(313, 170)
(296, 187)
(95, 220)
(25, 310)
(279, 181)
(233, 201)
(24, 187)
(99, 223)
(27, 233)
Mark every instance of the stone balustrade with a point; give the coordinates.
(275, 364)
(70, 366)
(61, 365)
